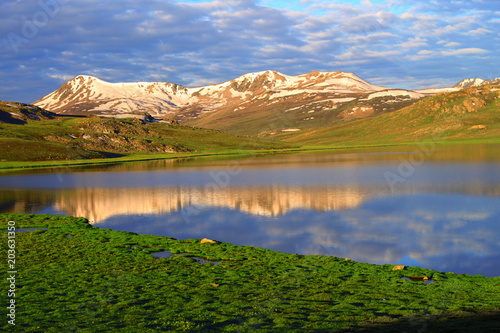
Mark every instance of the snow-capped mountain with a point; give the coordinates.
(475, 82)
(87, 94)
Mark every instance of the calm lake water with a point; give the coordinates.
(434, 207)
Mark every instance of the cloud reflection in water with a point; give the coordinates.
(444, 216)
(458, 233)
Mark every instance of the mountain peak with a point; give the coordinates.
(86, 94)
(475, 82)
(270, 74)
(83, 77)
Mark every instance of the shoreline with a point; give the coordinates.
(6, 166)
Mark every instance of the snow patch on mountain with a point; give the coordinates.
(435, 91)
(86, 94)
(475, 82)
(395, 92)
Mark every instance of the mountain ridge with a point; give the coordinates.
(475, 82)
(263, 96)
(86, 93)
(31, 133)
(260, 103)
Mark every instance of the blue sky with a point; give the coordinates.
(396, 43)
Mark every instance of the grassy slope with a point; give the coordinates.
(82, 278)
(301, 111)
(90, 138)
(469, 115)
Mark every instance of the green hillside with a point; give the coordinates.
(265, 116)
(471, 114)
(28, 133)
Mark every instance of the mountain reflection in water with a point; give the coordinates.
(445, 215)
(457, 230)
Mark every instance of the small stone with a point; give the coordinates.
(214, 285)
(398, 267)
(206, 240)
(478, 127)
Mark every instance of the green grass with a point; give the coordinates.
(92, 138)
(302, 111)
(74, 277)
(232, 154)
(446, 117)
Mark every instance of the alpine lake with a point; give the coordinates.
(427, 205)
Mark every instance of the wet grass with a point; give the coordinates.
(74, 277)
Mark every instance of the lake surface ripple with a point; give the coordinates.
(437, 208)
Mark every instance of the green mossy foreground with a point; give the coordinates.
(73, 277)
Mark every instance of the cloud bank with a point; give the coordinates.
(397, 43)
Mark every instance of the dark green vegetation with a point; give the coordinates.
(468, 115)
(20, 113)
(46, 136)
(74, 277)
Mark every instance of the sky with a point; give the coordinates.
(394, 43)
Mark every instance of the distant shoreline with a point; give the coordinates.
(6, 166)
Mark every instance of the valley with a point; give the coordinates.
(222, 162)
(90, 119)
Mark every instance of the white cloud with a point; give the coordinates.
(63, 77)
(382, 54)
(421, 55)
(448, 44)
(414, 42)
(371, 38)
(479, 31)
(466, 51)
